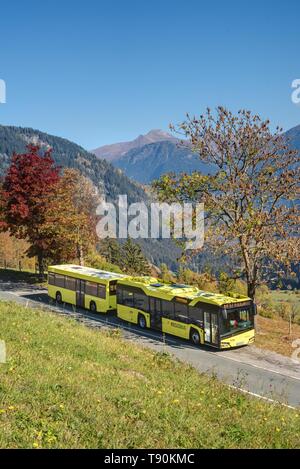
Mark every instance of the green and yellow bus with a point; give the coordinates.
(221, 321)
(83, 287)
(187, 312)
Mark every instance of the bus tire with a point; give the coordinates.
(93, 307)
(58, 297)
(195, 337)
(142, 321)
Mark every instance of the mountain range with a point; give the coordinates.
(141, 162)
(66, 154)
(149, 156)
(293, 137)
(116, 151)
(151, 161)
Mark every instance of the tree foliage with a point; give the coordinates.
(133, 259)
(27, 188)
(54, 213)
(70, 221)
(13, 252)
(110, 249)
(250, 197)
(128, 256)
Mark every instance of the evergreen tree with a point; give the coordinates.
(110, 249)
(166, 275)
(133, 260)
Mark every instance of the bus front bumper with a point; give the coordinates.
(244, 338)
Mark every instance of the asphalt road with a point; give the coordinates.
(263, 374)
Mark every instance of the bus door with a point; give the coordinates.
(207, 327)
(80, 291)
(211, 329)
(155, 313)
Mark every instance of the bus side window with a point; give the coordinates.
(127, 298)
(196, 315)
(71, 283)
(60, 280)
(51, 278)
(101, 291)
(141, 301)
(91, 288)
(181, 312)
(167, 308)
(119, 295)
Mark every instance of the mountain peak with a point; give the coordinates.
(117, 150)
(158, 133)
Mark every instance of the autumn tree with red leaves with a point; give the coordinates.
(55, 214)
(27, 188)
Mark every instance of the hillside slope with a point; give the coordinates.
(151, 161)
(293, 136)
(67, 386)
(68, 155)
(110, 180)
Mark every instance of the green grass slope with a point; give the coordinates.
(67, 386)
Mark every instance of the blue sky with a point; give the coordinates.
(98, 72)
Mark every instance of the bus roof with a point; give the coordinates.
(152, 287)
(79, 271)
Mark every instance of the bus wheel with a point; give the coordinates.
(195, 337)
(93, 307)
(142, 321)
(58, 297)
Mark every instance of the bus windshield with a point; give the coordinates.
(236, 320)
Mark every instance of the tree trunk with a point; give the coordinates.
(80, 254)
(41, 266)
(290, 325)
(250, 269)
(251, 288)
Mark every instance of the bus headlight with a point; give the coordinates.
(225, 344)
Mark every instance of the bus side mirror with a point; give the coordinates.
(254, 309)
